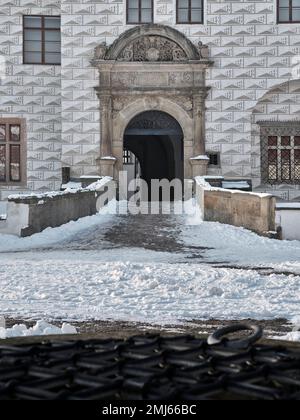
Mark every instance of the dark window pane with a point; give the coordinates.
(297, 141)
(133, 4)
(52, 47)
(183, 4)
(146, 15)
(52, 58)
(296, 15)
(284, 15)
(15, 133)
(285, 155)
(183, 15)
(52, 22)
(196, 15)
(33, 46)
(133, 15)
(52, 36)
(297, 164)
(146, 4)
(285, 141)
(2, 132)
(2, 163)
(15, 174)
(33, 21)
(32, 35)
(196, 4)
(32, 58)
(272, 141)
(297, 156)
(272, 156)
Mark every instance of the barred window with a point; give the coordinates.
(12, 151)
(42, 40)
(281, 154)
(128, 158)
(190, 11)
(139, 11)
(288, 11)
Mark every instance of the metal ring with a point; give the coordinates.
(218, 337)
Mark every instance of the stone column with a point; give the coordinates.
(106, 160)
(199, 161)
(105, 125)
(199, 123)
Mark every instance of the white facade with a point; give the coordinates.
(254, 61)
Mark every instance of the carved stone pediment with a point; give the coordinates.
(152, 48)
(152, 43)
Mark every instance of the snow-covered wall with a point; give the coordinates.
(30, 214)
(252, 211)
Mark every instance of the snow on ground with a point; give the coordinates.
(153, 293)
(235, 245)
(51, 236)
(40, 328)
(135, 284)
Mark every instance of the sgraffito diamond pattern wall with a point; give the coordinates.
(252, 56)
(31, 92)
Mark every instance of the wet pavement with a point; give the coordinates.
(159, 233)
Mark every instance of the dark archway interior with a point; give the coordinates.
(156, 139)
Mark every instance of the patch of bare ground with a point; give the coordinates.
(122, 329)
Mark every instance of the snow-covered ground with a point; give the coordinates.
(40, 328)
(136, 284)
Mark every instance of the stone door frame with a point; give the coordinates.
(152, 67)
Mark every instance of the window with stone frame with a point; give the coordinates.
(288, 11)
(139, 11)
(12, 151)
(190, 11)
(280, 153)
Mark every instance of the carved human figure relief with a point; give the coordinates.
(100, 51)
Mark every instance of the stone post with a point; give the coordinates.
(199, 123)
(200, 161)
(106, 160)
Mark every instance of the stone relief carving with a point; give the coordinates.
(203, 51)
(180, 78)
(124, 79)
(155, 120)
(152, 102)
(119, 103)
(100, 51)
(153, 48)
(184, 102)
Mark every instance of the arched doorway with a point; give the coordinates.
(153, 67)
(155, 138)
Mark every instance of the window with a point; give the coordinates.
(281, 154)
(42, 40)
(190, 11)
(139, 11)
(12, 151)
(128, 158)
(288, 11)
(214, 158)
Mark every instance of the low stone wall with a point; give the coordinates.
(31, 214)
(252, 211)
